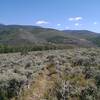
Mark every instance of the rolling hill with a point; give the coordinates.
(27, 34)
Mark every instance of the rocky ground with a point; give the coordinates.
(72, 74)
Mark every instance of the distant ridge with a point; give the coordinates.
(28, 34)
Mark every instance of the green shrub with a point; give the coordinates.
(97, 79)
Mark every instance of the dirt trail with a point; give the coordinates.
(40, 88)
(41, 85)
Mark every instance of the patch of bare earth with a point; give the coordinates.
(43, 83)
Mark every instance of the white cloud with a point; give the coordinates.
(67, 28)
(76, 24)
(40, 22)
(75, 18)
(71, 19)
(95, 23)
(78, 18)
(58, 24)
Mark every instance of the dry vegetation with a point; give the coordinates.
(72, 74)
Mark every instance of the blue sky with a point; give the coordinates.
(60, 14)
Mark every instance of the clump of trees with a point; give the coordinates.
(27, 48)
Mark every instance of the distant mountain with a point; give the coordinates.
(96, 40)
(81, 33)
(84, 35)
(26, 35)
(2, 25)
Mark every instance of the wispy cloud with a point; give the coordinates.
(67, 27)
(77, 24)
(40, 22)
(75, 18)
(71, 19)
(95, 23)
(78, 18)
(58, 24)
